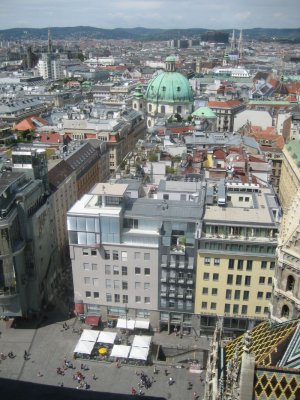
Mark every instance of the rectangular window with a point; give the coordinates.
(249, 265)
(117, 298)
(238, 280)
(270, 280)
(237, 294)
(272, 264)
(125, 298)
(244, 309)
(124, 270)
(213, 306)
(146, 256)
(85, 252)
(115, 255)
(266, 310)
(137, 270)
(240, 265)
(247, 280)
(207, 260)
(124, 285)
(206, 276)
(235, 309)
(106, 254)
(96, 295)
(138, 299)
(116, 269)
(205, 290)
(231, 263)
(108, 283)
(88, 294)
(246, 295)
(227, 308)
(215, 277)
(86, 266)
(93, 252)
(147, 271)
(268, 295)
(107, 270)
(260, 295)
(228, 294)
(204, 304)
(147, 286)
(258, 309)
(116, 284)
(137, 285)
(95, 281)
(261, 280)
(124, 255)
(216, 261)
(147, 300)
(229, 279)
(137, 256)
(263, 265)
(87, 280)
(214, 291)
(94, 267)
(108, 297)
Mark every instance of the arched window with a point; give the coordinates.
(149, 123)
(150, 107)
(285, 311)
(162, 109)
(290, 283)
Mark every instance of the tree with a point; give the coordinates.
(178, 117)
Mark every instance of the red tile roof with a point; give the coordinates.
(224, 104)
(28, 124)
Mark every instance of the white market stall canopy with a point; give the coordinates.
(139, 353)
(126, 324)
(84, 347)
(120, 351)
(107, 337)
(142, 324)
(141, 341)
(89, 336)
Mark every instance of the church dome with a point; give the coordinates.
(169, 86)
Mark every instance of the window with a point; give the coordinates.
(238, 280)
(246, 295)
(88, 294)
(124, 270)
(260, 295)
(205, 290)
(266, 310)
(165, 196)
(272, 264)
(116, 269)
(106, 254)
(116, 284)
(215, 277)
(206, 276)
(263, 265)
(213, 306)
(138, 299)
(285, 311)
(258, 309)
(87, 280)
(290, 283)
(235, 309)
(241, 198)
(204, 304)
(125, 298)
(146, 256)
(227, 308)
(231, 264)
(207, 260)
(268, 295)
(95, 281)
(117, 298)
(85, 252)
(240, 264)
(115, 255)
(229, 279)
(244, 309)
(147, 300)
(147, 271)
(147, 286)
(247, 280)
(124, 285)
(108, 283)
(93, 252)
(137, 255)
(94, 267)
(216, 261)
(228, 294)
(86, 266)
(107, 270)
(124, 255)
(214, 291)
(137, 285)
(270, 280)
(96, 295)
(249, 265)
(261, 280)
(108, 297)
(137, 270)
(237, 294)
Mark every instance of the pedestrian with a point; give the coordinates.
(133, 391)
(166, 372)
(154, 370)
(170, 381)
(94, 377)
(195, 396)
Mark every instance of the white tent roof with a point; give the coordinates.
(141, 341)
(84, 347)
(89, 335)
(107, 337)
(139, 353)
(143, 324)
(126, 324)
(120, 351)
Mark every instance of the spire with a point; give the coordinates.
(240, 44)
(49, 41)
(232, 44)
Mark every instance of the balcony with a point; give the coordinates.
(163, 294)
(163, 280)
(189, 281)
(181, 281)
(180, 296)
(172, 295)
(172, 280)
(189, 296)
(177, 249)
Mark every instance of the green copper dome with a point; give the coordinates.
(169, 87)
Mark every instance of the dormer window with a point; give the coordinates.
(178, 88)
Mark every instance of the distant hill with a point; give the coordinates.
(139, 33)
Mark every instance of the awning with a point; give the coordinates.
(142, 324)
(139, 353)
(84, 347)
(126, 324)
(120, 351)
(93, 320)
(89, 336)
(107, 337)
(141, 341)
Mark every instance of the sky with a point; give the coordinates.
(167, 14)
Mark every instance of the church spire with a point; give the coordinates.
(49, 41)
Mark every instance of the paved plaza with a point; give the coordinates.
(48, 344)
